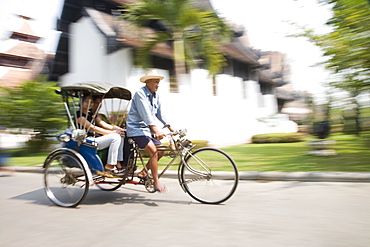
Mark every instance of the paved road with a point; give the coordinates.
(361, 177)
(272, 214)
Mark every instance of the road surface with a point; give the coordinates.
(304, 214)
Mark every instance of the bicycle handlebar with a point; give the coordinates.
(181, 132)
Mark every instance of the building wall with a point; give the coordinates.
(230, 117)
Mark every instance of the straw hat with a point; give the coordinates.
(151, 74)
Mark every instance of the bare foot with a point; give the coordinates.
(160, 188)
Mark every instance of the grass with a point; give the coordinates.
(29, 160)
(352, 156)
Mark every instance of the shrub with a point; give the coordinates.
(336, 128)
(279, 138)
(366, 138)
(350, 127)
(33, 105)
(199, 144)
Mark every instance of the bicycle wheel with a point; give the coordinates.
(209, 175)
(65, 179)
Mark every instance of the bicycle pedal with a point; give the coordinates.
(143, 180)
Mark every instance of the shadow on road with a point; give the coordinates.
(98, 197)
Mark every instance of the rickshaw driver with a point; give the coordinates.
(141, 125)
(112, 136)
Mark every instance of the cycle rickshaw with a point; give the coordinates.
(208, 175)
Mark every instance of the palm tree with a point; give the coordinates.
(194, 34)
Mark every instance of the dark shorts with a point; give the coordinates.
(142, 141)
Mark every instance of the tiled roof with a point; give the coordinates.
(125, 32)
(120, 33)
(123, 2)
(131, 35)
(26, 29)
(24, 49)
(238, 51)
(15, 77)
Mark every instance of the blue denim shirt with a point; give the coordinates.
(145, 108)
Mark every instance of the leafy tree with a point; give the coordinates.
(194, 34)
(347, 47)
(32, 105)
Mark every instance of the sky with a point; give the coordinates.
(266, 23)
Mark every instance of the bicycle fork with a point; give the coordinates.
(206, 174)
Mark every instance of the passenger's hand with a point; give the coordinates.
(119, 131)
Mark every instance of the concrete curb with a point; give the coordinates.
(361, 177)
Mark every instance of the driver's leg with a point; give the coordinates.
(154, 156)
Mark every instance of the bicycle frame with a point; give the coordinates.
(178, 151)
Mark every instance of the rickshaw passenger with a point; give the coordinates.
(111, 136)
(141, 125)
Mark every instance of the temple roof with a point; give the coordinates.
(25, 32)
(202, 4)
(237, 50)
(131, 35)
(122, 32)
(24, 49)
(15, 77)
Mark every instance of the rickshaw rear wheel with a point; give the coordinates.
(65, 179)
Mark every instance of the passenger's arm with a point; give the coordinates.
(84, 122)
(110, 127)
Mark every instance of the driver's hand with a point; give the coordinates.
(171, 129)
(159, 135)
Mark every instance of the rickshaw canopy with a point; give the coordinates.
(97, 88)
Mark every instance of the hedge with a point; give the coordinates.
(279, 138)
(198, 143)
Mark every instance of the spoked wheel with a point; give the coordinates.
(65, 179)
(149, 185)
(209, 175)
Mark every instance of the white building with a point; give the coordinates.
(96, 46)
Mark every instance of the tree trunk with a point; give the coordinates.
(179, 54)
(357, 119)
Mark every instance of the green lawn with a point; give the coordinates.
(352, 156)
(27, 160)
